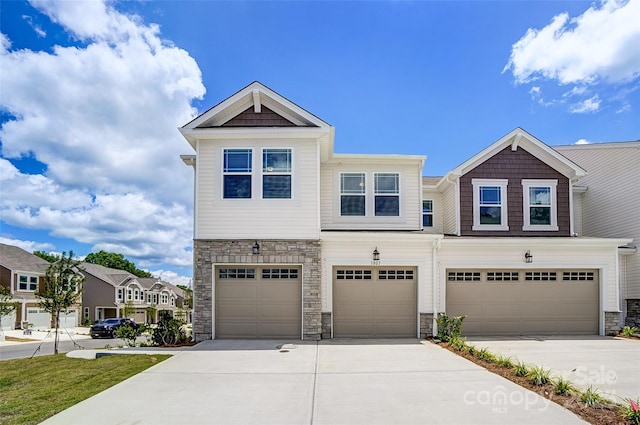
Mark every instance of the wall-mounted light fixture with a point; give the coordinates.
(375, 256)
(528, 258)
(256, 248)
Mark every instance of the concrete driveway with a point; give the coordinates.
(327, 382)
(610, 364)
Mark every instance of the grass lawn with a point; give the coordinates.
(32, 390)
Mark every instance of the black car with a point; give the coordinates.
(107, 328)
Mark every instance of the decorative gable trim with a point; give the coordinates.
(519, 138)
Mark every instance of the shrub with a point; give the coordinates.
(169, 331)
(631, 411)
(504, 361)
(449, 327)
(538, 375)
(629, 331)
(128, 334)
(459, 343)
(520, 369)
(591, 397)
(563, 387)
(486, 355)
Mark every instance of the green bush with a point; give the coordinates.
(449, 327)
(504, 361)
(591, 397)
(631, 411)
(520, 369)
(169, 331)
(459, 343)
(538, 375)
(486, 355)
(563, 387)
(128, 334)
(629, 331)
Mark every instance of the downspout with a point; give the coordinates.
(434, 283)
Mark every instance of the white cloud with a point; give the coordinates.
(29, 246)
(588, 105)
(599, 44)
(171, 277)
(593, 50)
(36, 27)
(582, 142)
(103, 119)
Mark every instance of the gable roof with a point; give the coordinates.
(14, 258)
(111, 276)
(519, 138)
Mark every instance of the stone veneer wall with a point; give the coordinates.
(426, 325)
(611, 323)
(208, 253)
(326, 325)
(633, 313)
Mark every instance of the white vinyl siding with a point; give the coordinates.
(410, 208)
(295, 218)
(438, 211)
(577, 214)
(449, 211)
(611, 203)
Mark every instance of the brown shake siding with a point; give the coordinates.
(514, 166)
(266, 118)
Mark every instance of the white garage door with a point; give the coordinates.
(374, 302)
(40, 319)
(9, 321)
(69, 320)
(524, 302)
(258, 302)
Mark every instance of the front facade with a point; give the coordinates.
(23, 273)
(108, 291)
(292, 240)
(610, 204)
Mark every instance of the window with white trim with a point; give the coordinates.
(120, 294)
(387, 194)
(539, 205)
(352, 194)
(86, 312)
(427, 213)
(165, 298)
(490, 204)
(149, 298)
(276, 173)
(237, 168)
(136, 294)
(129, 294)
(27, 283)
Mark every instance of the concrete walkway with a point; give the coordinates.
(609, 364)
(328, 382)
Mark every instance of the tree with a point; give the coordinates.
(188, 297)
(48, 256)
(115, 261)
(7, 305)
(63, 286)
(128, 310)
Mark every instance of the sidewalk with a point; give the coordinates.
(39, 335)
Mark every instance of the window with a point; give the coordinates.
(353, 274)
(578, 276)
(165, 298)
(27, 283)
(539, 205)
(86, 312)
(463, 276)
(136, 295)
(490, 204)
(279, 273)
(237, 273)
(427, 213)
(237, 173)
(503, 276)
(352, 194)
(387, 194)
(155, 298)
(120, 294)
(276, 173)
(173, 302)
(540, 276)
(129, 294)
(395, 274)
(149, 298)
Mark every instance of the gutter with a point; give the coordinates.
(434, 276)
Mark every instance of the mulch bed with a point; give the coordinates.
(605, 415)
(15, 339)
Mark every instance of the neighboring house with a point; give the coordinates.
(292, 240)
(107, 291)
(23, 273)
(611, 208)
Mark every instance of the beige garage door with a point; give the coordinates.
(519, 302)
(374, 302)
(258, 302)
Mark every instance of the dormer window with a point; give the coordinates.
(352, 194)
(276, 173)
(490, 204)
(237, 173)
(539, 205)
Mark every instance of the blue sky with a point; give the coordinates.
(91, 94)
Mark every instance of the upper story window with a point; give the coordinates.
(427, 213)
(165, 298)
(387, 194)
(276, 173)
(136, 295)
(352, 194)
(149, 298)
(237, 170)
(129, 294)
(490, 204)
(120, 294)
(27, 283)
(539, 203)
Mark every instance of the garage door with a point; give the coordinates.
(519, 302)
(40, 319)
(69, 320)
(9, 321)
(258, 302)
(374, 302)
